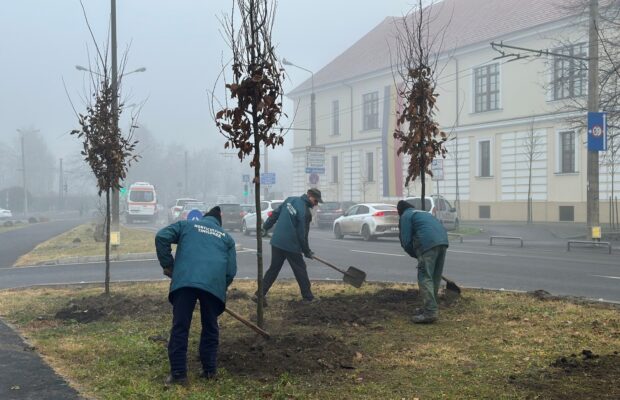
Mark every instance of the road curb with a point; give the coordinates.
(92, 259)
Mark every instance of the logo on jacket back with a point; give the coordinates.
(291, 209)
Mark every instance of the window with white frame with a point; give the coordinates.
(334, 169)
(569, 74)
(370, 172)
(484, 158)
(370, 103)
(335, 117)
(486, 88)
(567, 152)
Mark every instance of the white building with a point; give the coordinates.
(488, 105)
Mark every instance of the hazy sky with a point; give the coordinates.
(177, 41)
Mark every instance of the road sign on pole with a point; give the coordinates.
(315, 159)
(245, 178)
(597, 131)
(268, 178)
(437, 169)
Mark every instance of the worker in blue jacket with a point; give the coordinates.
(204, 266)
(290, 240)
(423, 237)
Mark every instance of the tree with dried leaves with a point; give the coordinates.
(257, 94)
(420, 136)
(108, 152)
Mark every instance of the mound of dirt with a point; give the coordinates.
(112, 307)
(290, 353)
(354, 309)
(590, 373)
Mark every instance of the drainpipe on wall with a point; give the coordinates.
(351, 141)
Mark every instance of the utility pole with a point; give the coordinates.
(115, 223)
(186, 188)
(593, 106)
(60, 186)
(24, 176)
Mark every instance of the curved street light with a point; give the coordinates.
(312, 101)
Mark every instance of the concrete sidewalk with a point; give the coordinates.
(24, 374)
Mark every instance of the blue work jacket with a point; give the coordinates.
(293, 223)
(420, 232)
(205, 257)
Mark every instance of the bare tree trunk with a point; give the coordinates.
(529, 195)
(107, 242)
(422, 182)
(259, 231)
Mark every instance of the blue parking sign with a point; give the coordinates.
(597, 131)
(194, 215)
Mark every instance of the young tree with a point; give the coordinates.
(257, 94)
(531, 152)
(417, 130)
(108, 152)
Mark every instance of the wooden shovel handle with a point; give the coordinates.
(330, 265)
(255, 328)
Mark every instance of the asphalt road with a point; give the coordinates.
(17, 242)
(543, 263)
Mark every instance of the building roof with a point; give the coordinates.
(467, 22)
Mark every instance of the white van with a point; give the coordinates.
(141, 202)
(439, 207)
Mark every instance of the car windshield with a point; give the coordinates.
(276, 204)
(183, 202)
(417, 204)
(141, 195)
(330, 206)
(195, 206)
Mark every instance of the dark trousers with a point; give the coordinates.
(183, 304)
(298, 265)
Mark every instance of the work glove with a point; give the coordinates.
(309, 254)
(264, 232)
(168, 272)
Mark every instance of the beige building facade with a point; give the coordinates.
(506, 118)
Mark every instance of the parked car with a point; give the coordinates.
(5, 214)
(368, 220)
(249, 220)
(248, 208)
(189, 207)
(232, 216)
(177, 207)
(328, 211)
(439, 207)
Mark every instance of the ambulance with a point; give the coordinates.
(141, 202)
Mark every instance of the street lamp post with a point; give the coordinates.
(312, 101)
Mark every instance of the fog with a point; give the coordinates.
(180, 45)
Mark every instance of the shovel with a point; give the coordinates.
(256, 329)
(353, 276)
(451, 286)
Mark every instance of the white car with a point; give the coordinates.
(5, 214)
(175, 211)
(439, 207)
(368, 220)
(249, 220)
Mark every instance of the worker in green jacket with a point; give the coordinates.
(202, 269)
(423, 237)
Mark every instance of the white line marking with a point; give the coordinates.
(608, 277)
(381, 254)
(477, 253)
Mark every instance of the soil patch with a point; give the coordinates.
(582, 376)
(112, 307)
(288, 353)
(355, 310)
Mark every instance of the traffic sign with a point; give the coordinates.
(268, 178)
(437, 169)
(245, 178)
(314, 178)
(315, 170)
(597, 131)
(194, 215)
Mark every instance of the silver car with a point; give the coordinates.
(368, 220)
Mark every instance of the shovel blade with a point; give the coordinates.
(354, 277)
